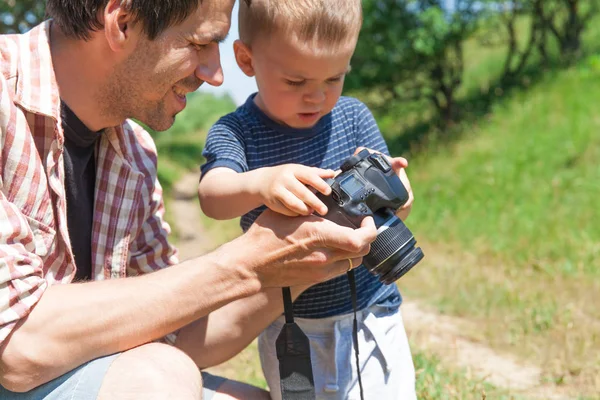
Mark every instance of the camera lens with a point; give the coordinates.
(393, 253)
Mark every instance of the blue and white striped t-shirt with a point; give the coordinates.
(247, 139)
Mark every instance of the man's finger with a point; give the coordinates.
(343, 238)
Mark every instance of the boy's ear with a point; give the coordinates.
(243, 56)
(119, 26)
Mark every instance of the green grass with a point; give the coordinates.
(511, 208)
(435, 382)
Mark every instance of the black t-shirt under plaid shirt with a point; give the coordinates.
(248, 139)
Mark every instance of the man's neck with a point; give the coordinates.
(81, 71)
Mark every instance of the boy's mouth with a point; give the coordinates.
(309, 116)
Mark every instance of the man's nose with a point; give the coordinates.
(209, 70)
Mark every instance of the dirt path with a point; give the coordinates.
(185, 211)
(428, 330)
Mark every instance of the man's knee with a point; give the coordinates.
(152, 371)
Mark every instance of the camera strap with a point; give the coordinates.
(352, 282)
(293, 353)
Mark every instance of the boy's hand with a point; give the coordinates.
(398, 165)
(284, 189)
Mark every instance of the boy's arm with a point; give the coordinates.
(225, 193)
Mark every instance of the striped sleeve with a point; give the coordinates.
(23, 241)
(366, 130)
(225, 146)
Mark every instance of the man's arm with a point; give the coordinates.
(75, 323)
(225, 332)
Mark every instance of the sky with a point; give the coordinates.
(235, 82)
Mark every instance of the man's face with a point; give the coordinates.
(151, 84)
(298, 83)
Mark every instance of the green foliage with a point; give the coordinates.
(20, 15)
(412, 50)
(180, 147)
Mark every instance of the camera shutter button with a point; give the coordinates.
(380, 162)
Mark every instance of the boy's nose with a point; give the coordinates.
(315, 97)
(209, 70)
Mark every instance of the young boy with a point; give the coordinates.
(292, 134)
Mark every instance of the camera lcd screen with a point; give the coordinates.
(351, 185)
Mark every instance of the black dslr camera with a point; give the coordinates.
(367, 186)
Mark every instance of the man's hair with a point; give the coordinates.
(78, 18)
(327, 22)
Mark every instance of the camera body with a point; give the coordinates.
(368, 186)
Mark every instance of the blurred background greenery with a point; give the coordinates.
(494, 105)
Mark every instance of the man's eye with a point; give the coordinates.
(294, 83)
(335, 80)
(198, 46)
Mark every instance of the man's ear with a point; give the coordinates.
(119, 24)
(243, 56)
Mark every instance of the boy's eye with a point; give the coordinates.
(294, 83)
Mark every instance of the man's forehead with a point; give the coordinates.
(212, 19)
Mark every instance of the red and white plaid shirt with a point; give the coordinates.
(129, 233)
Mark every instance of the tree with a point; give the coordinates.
(412, 50)
(566, 20)
(20, 15)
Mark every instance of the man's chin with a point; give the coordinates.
(159, 124)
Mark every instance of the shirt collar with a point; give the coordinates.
(37, 90)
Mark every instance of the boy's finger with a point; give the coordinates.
(293, 203)
(398, 163)
(308, 197)
(311, 178)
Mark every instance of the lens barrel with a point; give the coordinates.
(393, 253)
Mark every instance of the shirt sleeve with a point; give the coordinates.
(225, 146)
(366, 130)
(21, 266)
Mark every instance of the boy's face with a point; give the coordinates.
(297, 83)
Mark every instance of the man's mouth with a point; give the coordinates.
(179, 92)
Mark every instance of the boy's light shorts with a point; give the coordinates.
(84, 383)
(387, 369)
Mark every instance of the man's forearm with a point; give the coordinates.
(226, 194)
(75, 323)
(231, 327)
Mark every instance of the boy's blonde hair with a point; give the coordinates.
(324, 22)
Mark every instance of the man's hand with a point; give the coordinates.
(398, 165)
(287, 251)
(283, 188)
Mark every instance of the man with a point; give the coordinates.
(80, 207)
